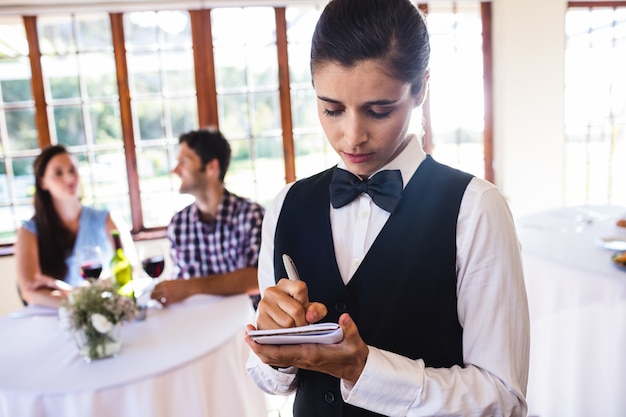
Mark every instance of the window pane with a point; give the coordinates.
(163, 93)
(456, 64)
(595, 111)
(300, 26)
(230, 67)
(15, 79)
(69, 126)
(266, 116)
(155, 165)
(143, 70)
(61, 77)
(93, 32)
(17, 128)
(56, 35)
(312, 151)
(23, 180)
(249, 110)
(21, 130)
(183, 115)
(233, 114)
(100, 78)
(258, 178)
(166, 29)
(105, 124)
(178, 68)
(149, 119)
(103, 176)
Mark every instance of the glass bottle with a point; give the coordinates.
(121, 269)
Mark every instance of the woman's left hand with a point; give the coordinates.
(344, 360)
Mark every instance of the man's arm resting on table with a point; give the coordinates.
(241, 281)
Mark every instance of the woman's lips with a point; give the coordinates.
(358, 158)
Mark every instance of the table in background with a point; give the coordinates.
(185, 360)
(577, 302)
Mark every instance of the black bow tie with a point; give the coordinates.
(385, 188)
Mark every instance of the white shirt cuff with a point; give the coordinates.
(389, 383)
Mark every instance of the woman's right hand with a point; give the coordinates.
(42, 281)
(287, 305)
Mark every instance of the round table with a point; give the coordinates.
(187, 359)
(577, 304)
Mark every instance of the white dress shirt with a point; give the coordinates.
(491, 305)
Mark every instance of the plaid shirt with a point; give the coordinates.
(229, 242)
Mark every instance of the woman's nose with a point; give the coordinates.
(354, 130)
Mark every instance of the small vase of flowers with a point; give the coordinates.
(94, 314)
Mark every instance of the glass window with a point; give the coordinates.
(595, 110)
(312, 151)
(246, 70)
(83, 105)
(456, 85)
(163, 99)
(18, 134)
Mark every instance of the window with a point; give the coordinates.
(595, 109)
(119, 88)
(18, 134)
(456, 97)
(246, 72)
(79, 80)
(159, 56)
(312, 151)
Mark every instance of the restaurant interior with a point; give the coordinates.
(551, 135)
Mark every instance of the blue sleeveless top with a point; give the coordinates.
(91, 232)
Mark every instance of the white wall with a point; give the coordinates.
(9, 301)
(528, 49)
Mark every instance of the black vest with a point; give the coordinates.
(403, 295)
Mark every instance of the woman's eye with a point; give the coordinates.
(331, 113)
(379, 116)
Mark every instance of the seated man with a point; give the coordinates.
(214, 241)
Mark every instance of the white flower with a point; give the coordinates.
(100, 323)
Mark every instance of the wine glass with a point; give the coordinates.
(152, 260)
(89, 259)
(152, 257)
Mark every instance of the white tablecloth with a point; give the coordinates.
(186, 360)
(577, 301)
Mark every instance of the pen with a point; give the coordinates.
(290, 267)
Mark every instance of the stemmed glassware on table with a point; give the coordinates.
(152, 258)
(153, 261)
(89, 260)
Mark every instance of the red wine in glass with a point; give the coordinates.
(91, 270)
(154, 266)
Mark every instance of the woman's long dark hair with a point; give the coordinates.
(54, 240)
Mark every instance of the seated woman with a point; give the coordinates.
(46, 244)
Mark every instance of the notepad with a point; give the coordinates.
(321, 333)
